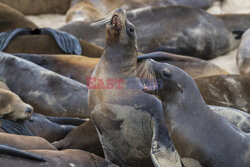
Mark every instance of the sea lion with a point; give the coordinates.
(226, 90)
(30, 7)
(37, 125)
(235, 22)
(193, 66)
(200, 141)
(80, 68)
(130, 123)
(243, 55)
(11, 106)
(186, 25)
(84, 137)
(65, 158)
(67, 120)
(46, 41)
(49, 93)
(11, 19)
(25, 142)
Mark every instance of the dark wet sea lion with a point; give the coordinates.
(25, 142)
(243, 55)
(37, 125)
(84, 137)
(31, 7)
(196, 131)
(65, 158)
(11, 106)
(176, 27)
(67, 120)
(226, 90)
(239, 22)
(49, 93)
(11, 19)
(193, 66)
(130, 123)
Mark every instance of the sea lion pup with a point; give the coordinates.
(84, 137)
(193, 66)
(185, 25)
(30, 7)
(25, 142)
(49, 93)
(196, 131)
(226, 90)
(12, 19)
(243, 55)
(65, 158)
(11, 106)
(130, 123)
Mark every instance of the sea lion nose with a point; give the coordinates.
(29, 110)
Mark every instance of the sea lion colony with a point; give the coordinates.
(125, 83)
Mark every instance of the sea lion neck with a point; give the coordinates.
(121, 60)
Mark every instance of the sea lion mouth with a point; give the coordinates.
(150, 89)
(116, 22)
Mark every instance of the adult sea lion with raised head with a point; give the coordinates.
(197, 132)
(130, 123)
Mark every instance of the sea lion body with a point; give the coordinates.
(129, 122)
(226, 90)
(30, 7)
(11, 19)
(243, 55)
(202, 141)
(49, 93)
(208, 35)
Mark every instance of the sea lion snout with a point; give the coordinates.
(29, 110)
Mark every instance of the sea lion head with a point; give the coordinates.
(171, 81)
(13, 108)
(120, 30)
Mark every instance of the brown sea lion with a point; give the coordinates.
(176, 26)
(80, 68)
(65, 158)
(11, 19)
(49, 93)
(25, 142)
(84, 137)
(197, 132)
(226, 90)
(11, 106)
(130, 123)
(31, 7)
(243, 55)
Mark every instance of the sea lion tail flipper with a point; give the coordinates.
(238, 34)
(16, 152)
(15, 128)
(6, 37)
(67, 42)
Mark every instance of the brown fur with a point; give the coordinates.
(31, 7)
(11, 19)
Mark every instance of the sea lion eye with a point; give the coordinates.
(131, 29)
(166, 74)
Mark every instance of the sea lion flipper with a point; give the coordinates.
(67, 42)
(4, 149)
(163, 152)
(6, 37)
(15, 128)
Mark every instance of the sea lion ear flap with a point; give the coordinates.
(238, 34)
